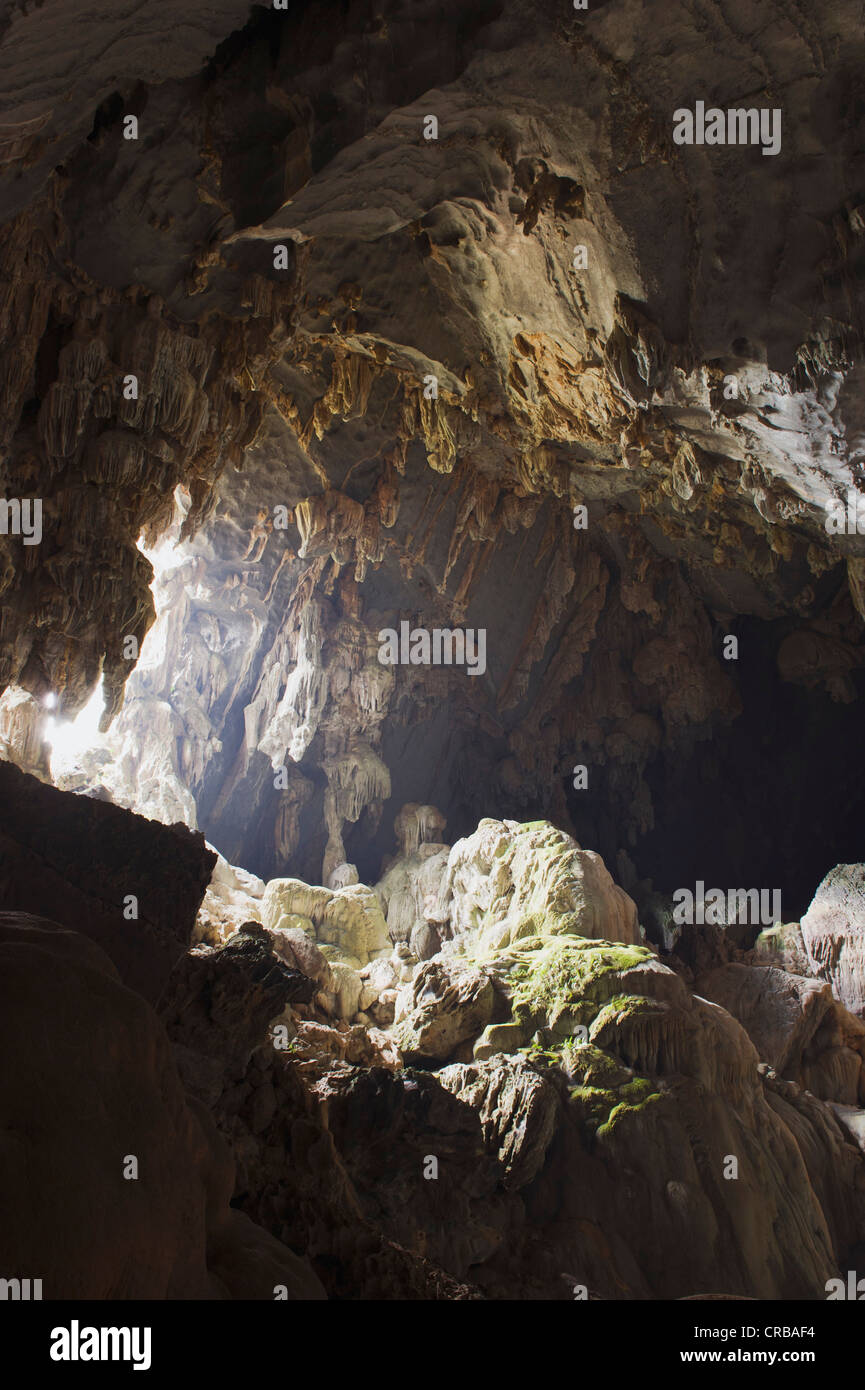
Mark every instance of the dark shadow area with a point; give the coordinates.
(773, 800)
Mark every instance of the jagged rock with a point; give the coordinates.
(833, 933)
(833, 1161)
(425, 941)
(410, 891)
(509, 881)
(359, 1046)
(796, 1026)
(519, 1112)
(217, 1004)
(297, 949)
(116, 1096)
(442, 1007)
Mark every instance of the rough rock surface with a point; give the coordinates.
(441, 1008)
(81, 862)
(510, 880)
(287, 371)
(365, 499)
(797, 1026)
(74, 1121)
(833, 933)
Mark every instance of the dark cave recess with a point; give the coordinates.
(774, 799)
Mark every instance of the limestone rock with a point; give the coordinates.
(347, 986)
(509, 881)
(298, 950)
(349, 918)
(519, 1112)
(233, 897)
(171, 1234)
(797, 1026)
(410, 893)
(22, 738)
(442, 1007)
(353, 920)
(290, 897)
(359, 1046)
(342, 876)
(833, 933)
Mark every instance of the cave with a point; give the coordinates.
(431, 776)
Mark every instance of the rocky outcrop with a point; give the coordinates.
(833, 934)
(129, 884)
(797, 1026)
(441, 1008)
(121, 1182)
(509, 881)
(217, 1005)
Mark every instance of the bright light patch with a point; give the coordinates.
(164, 557)
(167, 554)
(69, 738)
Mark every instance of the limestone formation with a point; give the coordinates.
(322, 323)
(833, 934)
(171, 1233)
(508, 881)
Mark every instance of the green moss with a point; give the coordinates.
(635, 1100)
(566, 975)
(602, 1108)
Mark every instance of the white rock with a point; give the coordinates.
(833, 933)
